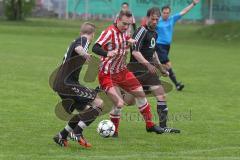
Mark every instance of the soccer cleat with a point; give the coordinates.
(61, 142)
(156, 129)
(180, 86)
(80, 139)
(171, 130)
(71, 136)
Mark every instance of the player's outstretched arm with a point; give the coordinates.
(188, 8)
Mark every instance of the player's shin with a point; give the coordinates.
(115, 115)
(86, 118)
(162, 113)
(145, 110)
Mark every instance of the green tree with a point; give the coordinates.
(17, 9)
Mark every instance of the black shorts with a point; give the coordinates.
(144, 76)
(163, 51)
(78, 95)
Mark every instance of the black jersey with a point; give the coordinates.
(146, 41)
(72, 64)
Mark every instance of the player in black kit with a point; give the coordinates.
(73, 94)
(144, 64)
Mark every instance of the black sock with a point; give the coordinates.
(74, 121)
(64, 133)
(172, 76)
(78, 129)
(162, 113)
(86, 118)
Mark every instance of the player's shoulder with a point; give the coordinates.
(110, 28)
(177, 15)
(142, 29)
(80, 39)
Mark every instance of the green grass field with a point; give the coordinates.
(207, 111)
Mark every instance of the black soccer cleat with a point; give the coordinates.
(171, 130)
(60, 141)
(180, 86)
(156, 129)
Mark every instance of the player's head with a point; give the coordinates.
(125, 6)
(153, 15)
(124, 20)
(88, 28)
(166, 10)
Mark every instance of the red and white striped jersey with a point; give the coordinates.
(112, 39)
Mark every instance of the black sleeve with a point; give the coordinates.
(139, 37)
(97, 49)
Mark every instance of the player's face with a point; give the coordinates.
(92, 37)
(165, 13)
(124, 23)
(152, 21)
(125, 7)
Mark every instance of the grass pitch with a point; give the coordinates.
(207, 111)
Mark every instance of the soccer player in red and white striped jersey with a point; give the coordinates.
(114, 75)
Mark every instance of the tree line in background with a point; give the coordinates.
(17, 9)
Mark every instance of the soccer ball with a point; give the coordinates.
(106, 128)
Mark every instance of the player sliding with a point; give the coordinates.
(73, 94)
(114, 75)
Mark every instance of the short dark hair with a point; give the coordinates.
(166, 7)
(125, 13)
(153, 10)
(125, 3)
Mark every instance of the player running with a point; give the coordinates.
(114, 75)
(144, 64)
(73, 94)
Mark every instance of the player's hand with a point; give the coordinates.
(112, 53)
(165, 73)
(87, 56)
(196, 1)
(131, 42)
(152, 69)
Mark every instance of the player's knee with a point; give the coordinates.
(139, 93)
(161, 97)
(98, 102)
(130, 102)
(120, 104)
(129, 99)
(141, 101)
(116, 110)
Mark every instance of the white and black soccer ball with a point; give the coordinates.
(106, 128)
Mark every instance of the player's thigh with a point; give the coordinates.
(80, 95)
(115, 95)
(97, 102)
(129, 99)
(129, 82)
(163, 53)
